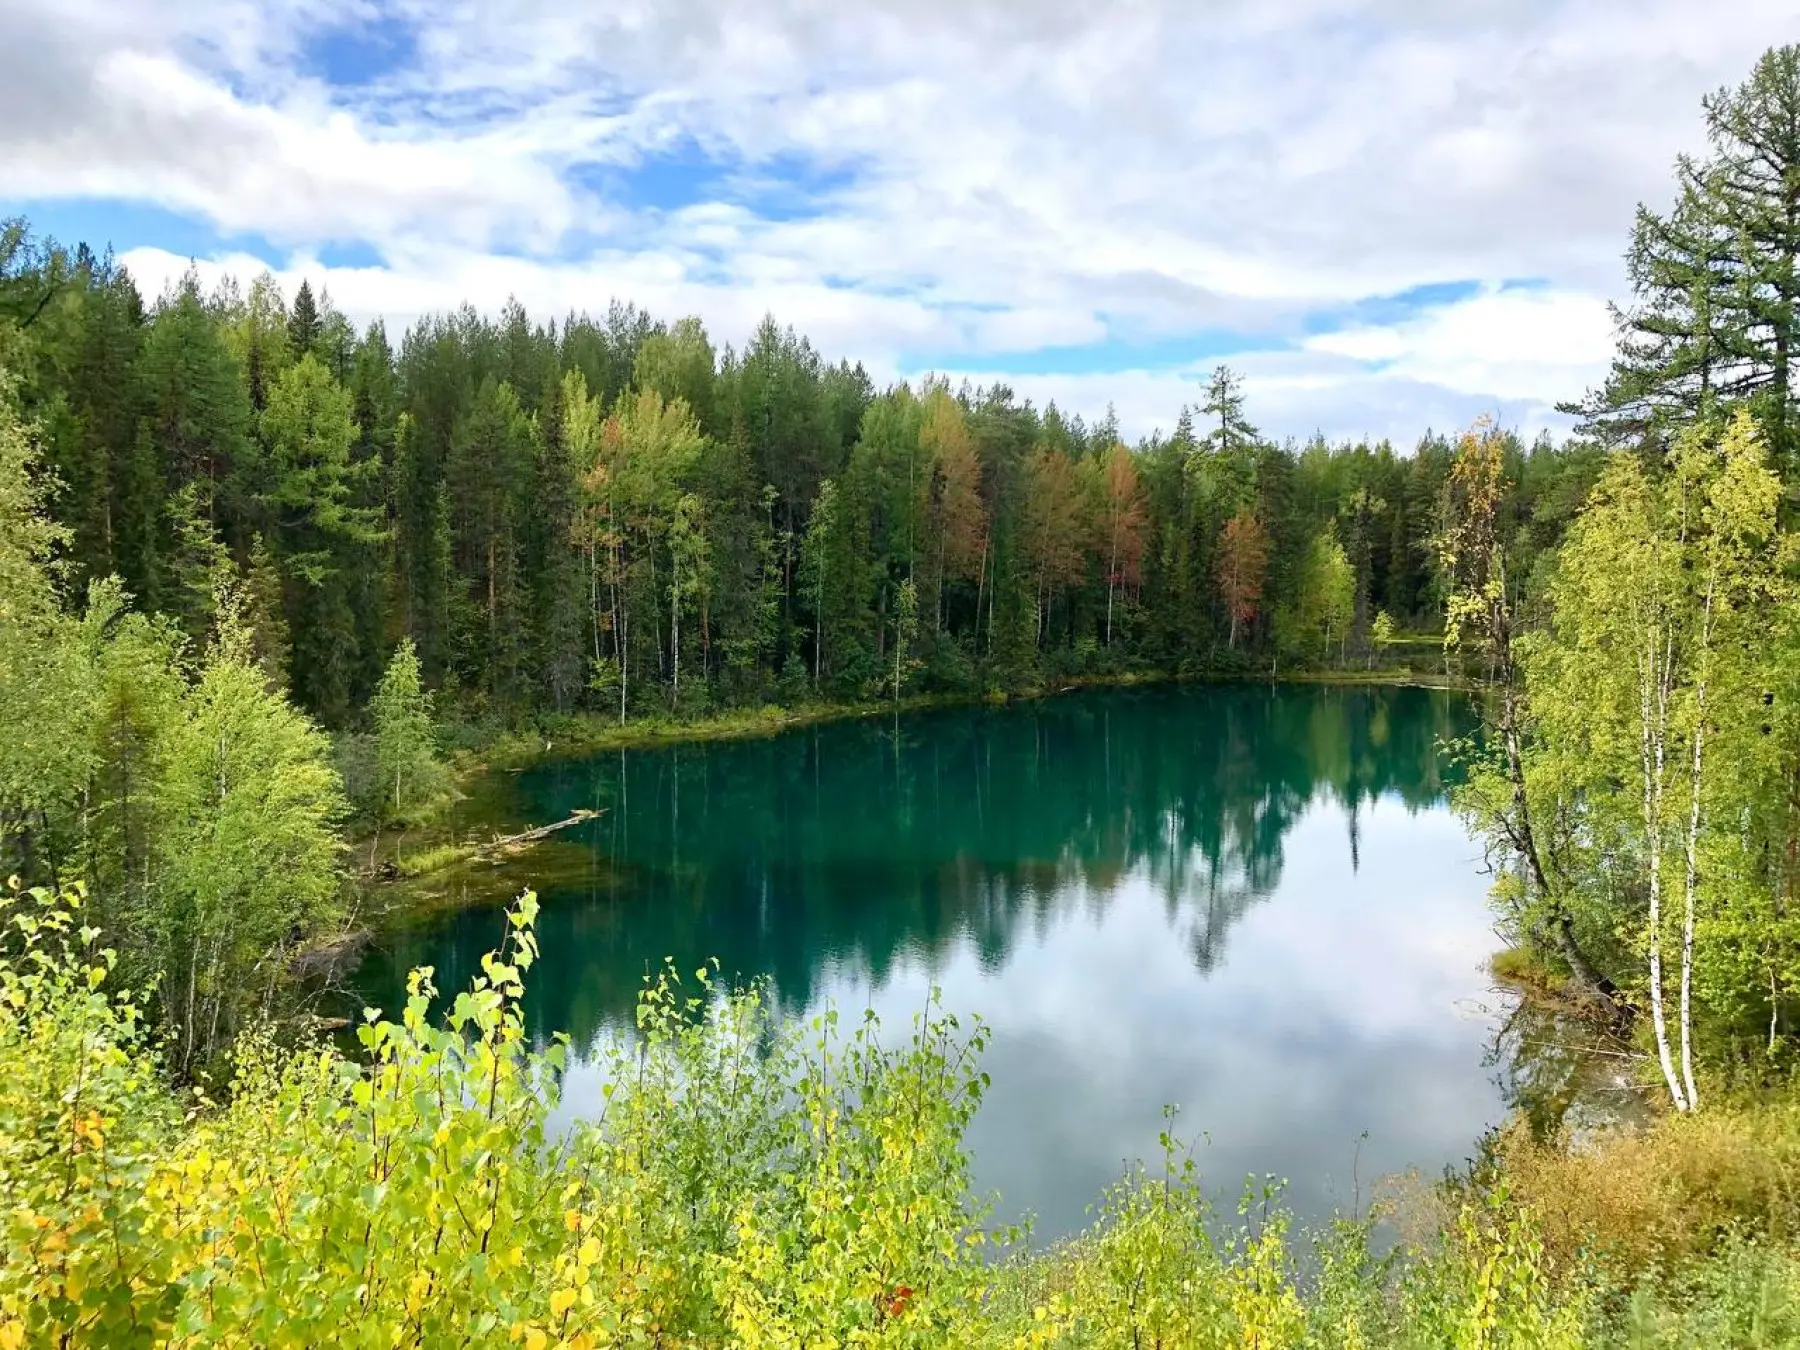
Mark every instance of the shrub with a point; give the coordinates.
(751, 1182)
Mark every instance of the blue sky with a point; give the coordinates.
(1387, 214)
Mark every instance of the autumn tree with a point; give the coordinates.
(956, 514)
(1058, 527)
(1124, 508)
(1243, 563)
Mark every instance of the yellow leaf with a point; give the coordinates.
(535, 1339)
(561, 1300)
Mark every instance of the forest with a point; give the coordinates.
(253, 564)
(610, 515)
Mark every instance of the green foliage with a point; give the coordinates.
(246, 847)
(1657, 742)
(524, 500)
(752, 1182)
(1716, 280)
(405, 738)
(1315, 624)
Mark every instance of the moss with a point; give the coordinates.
(1528, 970)
(435, 858)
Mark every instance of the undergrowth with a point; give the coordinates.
(759, 1183)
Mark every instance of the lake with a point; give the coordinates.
(1252, 902)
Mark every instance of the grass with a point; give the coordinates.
(433, 858)
(1636, 1204)
(1527, 970)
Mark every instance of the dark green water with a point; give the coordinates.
(1252, 902)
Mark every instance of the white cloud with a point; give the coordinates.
(1511, 344)
(1142, 169)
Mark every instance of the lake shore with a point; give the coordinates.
(592, 733)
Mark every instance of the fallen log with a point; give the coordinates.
(331, 957)
(526, 838)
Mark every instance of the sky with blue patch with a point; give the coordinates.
(1385, 214)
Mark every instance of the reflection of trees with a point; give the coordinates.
(864, 843)
(1560, 1070)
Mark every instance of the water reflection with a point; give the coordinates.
(1249, 901)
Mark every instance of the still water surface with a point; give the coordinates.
(1252, 902)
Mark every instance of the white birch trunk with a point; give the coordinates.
(1653, 706)
(1693, 860)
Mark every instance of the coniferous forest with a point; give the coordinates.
(611, 514)
(253, 561)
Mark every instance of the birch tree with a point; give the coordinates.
(1480, 620)
(1658, 600)
(247, 845)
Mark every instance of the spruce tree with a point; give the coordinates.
(489, 477)
(304, 323)
(322, 532)
(552, 567)
(199, 411)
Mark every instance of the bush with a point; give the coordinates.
(751, 1183)
(1666, 1198)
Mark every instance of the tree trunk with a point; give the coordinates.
(622, 618)
(594, 594)
(1562, 923)
(1652, 750)
(1693, 860)
(1112, 579)
(980, 592)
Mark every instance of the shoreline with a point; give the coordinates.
(515, 751)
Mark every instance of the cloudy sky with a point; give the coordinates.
(1389, 214)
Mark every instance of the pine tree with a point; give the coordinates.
(551, 564)
(1228, 432)
(101, 399)
(1716, 280)
(304, 323)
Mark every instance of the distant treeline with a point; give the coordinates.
(612, 514)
